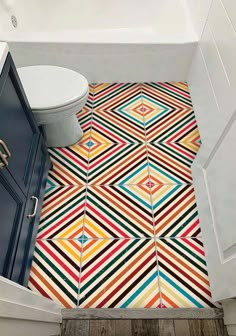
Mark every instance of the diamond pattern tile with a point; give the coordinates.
(175, 211)
(120, 97)
(119, 226)
(70, 164)
(183, 273)
(111, 164)
(62, 213)
(118, 127)
(168, 115)
(167, 166)
(119, 274)
(118, 115)
(118, 212)
(55, 270)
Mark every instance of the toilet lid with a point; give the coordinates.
(49, 87)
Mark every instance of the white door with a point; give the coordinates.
(215, 188)
(212, 82)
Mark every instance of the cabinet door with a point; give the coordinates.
(17, 126)
(29, 228)
(12, 204)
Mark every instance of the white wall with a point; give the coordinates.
(212, 78)
(199, 10)
(6, 10)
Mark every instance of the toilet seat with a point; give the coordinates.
(50, 88)
(48, 116)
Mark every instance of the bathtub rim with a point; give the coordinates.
(106, 36)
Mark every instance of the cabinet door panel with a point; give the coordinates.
(17, 126)
(12, 204)
(29, 227)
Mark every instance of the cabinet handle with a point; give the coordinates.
(7, 153)
(3, 161)
(35, 199)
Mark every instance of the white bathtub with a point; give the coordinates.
(106, 40)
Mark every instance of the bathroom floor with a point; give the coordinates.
(119, 225)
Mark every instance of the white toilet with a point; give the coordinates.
(55, 95)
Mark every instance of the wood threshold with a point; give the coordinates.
(143, 314)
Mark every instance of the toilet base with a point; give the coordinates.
(65, 132)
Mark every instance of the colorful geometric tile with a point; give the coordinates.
(192, 146)
(111, 164)
(124, 193)
(119, 274)
(175, 211)
(70, 164)
(55, 270)
(184, 152)
(120, 97)
(62, 213)
(118, 212)
(167, 165)
(183, 273)
(118, 126)
(168, 113)
(117, 115)
(173, 95)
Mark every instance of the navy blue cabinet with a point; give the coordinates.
(12, 204)
(24, 165)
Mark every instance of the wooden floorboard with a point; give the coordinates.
(102, 327)
(137, 327)
(76, 327)
(141, 314)
(123, 327)
(145, 327)
(181, 328)
(166, 328)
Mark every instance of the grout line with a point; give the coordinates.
(155, 238)
(136, 184)
(121, 238)
(144, 122)
(153, 219)
(142, 142)
(80, 272)
(117, 185)
(158, 271)
(85, 200)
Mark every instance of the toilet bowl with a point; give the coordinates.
(55, 95)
